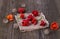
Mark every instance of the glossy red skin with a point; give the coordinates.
(21, 10)
(34, 21)
(25, 23)
(35, 13)
(54, 26)
(22, 16)
(42, 23)
(30, 17)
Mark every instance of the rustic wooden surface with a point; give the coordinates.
(47, 6)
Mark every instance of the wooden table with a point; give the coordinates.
(48, 7)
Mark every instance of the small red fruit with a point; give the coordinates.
(42, 23)
(35, 13)
(34, 21)
(10, 17)
(22, 16)
(54, 26)
(21, 10)
(30, 17)
(25, 23)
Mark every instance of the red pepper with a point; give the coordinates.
(34, 21)
(21, 10)
(30, 17)
(42, 23)
(25, 23)
(22, 16)
(35, 13)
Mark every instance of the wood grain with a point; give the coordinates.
(47, 6)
